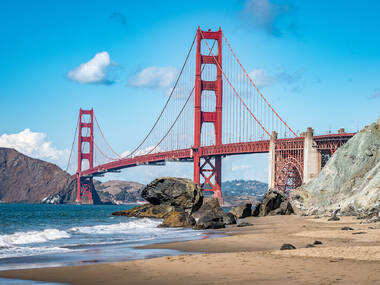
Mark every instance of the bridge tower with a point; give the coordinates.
(85, 153)
(209, 167)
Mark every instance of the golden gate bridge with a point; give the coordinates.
(214, 109)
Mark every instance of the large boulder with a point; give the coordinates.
(210, 215)
(177, 192)
(242, 211)
(147, 211)
(229, 218)
(178, 219)
(274, 202)
(350, 180)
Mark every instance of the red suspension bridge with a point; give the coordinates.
(214, 109)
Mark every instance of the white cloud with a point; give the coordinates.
(34, 144)
(154, 77)
(261, 78)
(240, 167)
(93, 71)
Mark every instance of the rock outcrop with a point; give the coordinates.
(178, 192)
(178, 219)
(242, 211)
(147, 211)
(27, 180)
(210, 215)
(350, 180)
(274, 202)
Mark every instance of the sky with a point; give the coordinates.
(317, 62)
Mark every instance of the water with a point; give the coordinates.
(55, 235)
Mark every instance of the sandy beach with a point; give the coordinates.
(247, 255)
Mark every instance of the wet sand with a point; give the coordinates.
(249, 255)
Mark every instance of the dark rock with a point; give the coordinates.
(209, 215)
(242, 211)
(178, 219)
(309, 245)
(347, 229)
(359, 233)
(334, 218)
(178, 192)
(274, 202)
(229, 218)
(244, 224)
(209, 205)
(287, 246)
(316, 242)
(147, 211)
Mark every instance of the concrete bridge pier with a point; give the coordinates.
(311, 157)
(272, 161)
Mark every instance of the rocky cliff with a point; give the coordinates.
(350, 181)
(27, 180)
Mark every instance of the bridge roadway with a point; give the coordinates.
(323, 143)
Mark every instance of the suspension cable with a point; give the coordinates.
(105, 138)
(167, 101)
(237, 94)
(250, 79)
(72, 146)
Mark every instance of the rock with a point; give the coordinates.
(274, 202)
(178, 219)
(244, 224)
(359, 233)
(147, 211)
(309, 245)
(350, 179)
(209, 205)
(210, 221)
(242, 211)
(316, 242)
(334, 218)
(229, 218)
(287, 246)
(347, 229)
(178, 192)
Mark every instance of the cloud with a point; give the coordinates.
(240, 167)
(93, 71)
(154, 77)
(375, 94)
(34, 144)
(119, 18)
(261, 78)
(267, 16)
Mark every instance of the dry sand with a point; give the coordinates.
(248, 255)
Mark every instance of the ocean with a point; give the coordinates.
(41, 235)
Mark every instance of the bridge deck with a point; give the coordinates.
(187, 154)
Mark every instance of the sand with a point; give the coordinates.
(247, 255)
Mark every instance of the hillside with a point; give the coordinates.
(27, 180)
(118, 191)
(350, 181)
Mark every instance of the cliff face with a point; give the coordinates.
(29, 180)
(351, 178)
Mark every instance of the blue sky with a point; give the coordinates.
(317, 62)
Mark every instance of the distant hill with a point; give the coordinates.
(240, 191)
(28, 180)
(119, 191)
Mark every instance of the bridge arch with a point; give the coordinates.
(289, 174)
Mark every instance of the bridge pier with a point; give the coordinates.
(312, 157)
(272, 161)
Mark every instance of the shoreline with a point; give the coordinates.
(245, 255)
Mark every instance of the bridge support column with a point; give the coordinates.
(85, 153)
(272, 160)
(208, 168)
(311, 157)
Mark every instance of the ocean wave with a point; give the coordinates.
(30, 237)
(144, 225)
(31, 251)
